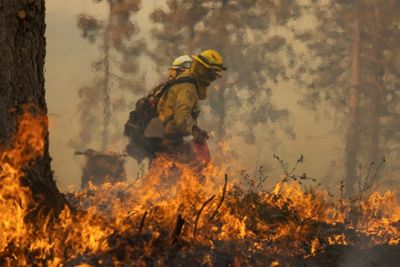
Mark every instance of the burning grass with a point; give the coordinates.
(175, 216)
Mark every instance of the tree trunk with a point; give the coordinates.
(353, 131)
(22, 53)
(217, 103)
(107, 83)
(376, 87)
(222, 114)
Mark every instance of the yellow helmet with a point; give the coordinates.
(211, 59)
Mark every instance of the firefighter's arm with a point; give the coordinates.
(186, 99)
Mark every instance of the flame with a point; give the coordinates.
(15, 199)
(285, 222)
(314, 246)
(337, 240)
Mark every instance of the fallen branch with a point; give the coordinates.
(222, 199)
(199, 213)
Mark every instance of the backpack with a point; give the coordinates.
(146, 107)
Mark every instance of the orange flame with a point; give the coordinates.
(284, 219)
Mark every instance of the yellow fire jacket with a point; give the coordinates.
(177, 109)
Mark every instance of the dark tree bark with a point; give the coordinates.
(22, 57)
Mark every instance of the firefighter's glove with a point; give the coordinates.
(199, 136)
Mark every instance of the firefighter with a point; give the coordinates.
(179, 65)
(178, 109)
(143, 145)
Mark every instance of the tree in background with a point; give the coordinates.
(256, 56)
(381, 78)
(115, 70)
(352, 50)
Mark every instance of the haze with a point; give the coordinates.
(68, 67)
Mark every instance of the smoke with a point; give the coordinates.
(375, 256)
(252, 106)
(351, 68)
(256, 58)
(238, 30)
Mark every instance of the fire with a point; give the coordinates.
(337, 239)
(15, 200)
(314, 246)
(179, 208)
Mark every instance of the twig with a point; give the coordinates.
(369, 181)
(131, 213)
(142, 222)
(261, 178)
(178, 229)
(378, 168)
(283, 165)
(299, 160)
(362, 188)
(199, 213)
(341, 194)
(369, 171)
(222, 199)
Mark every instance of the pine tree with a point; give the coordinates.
(350, 63)
(116, 69)
(381, 80)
